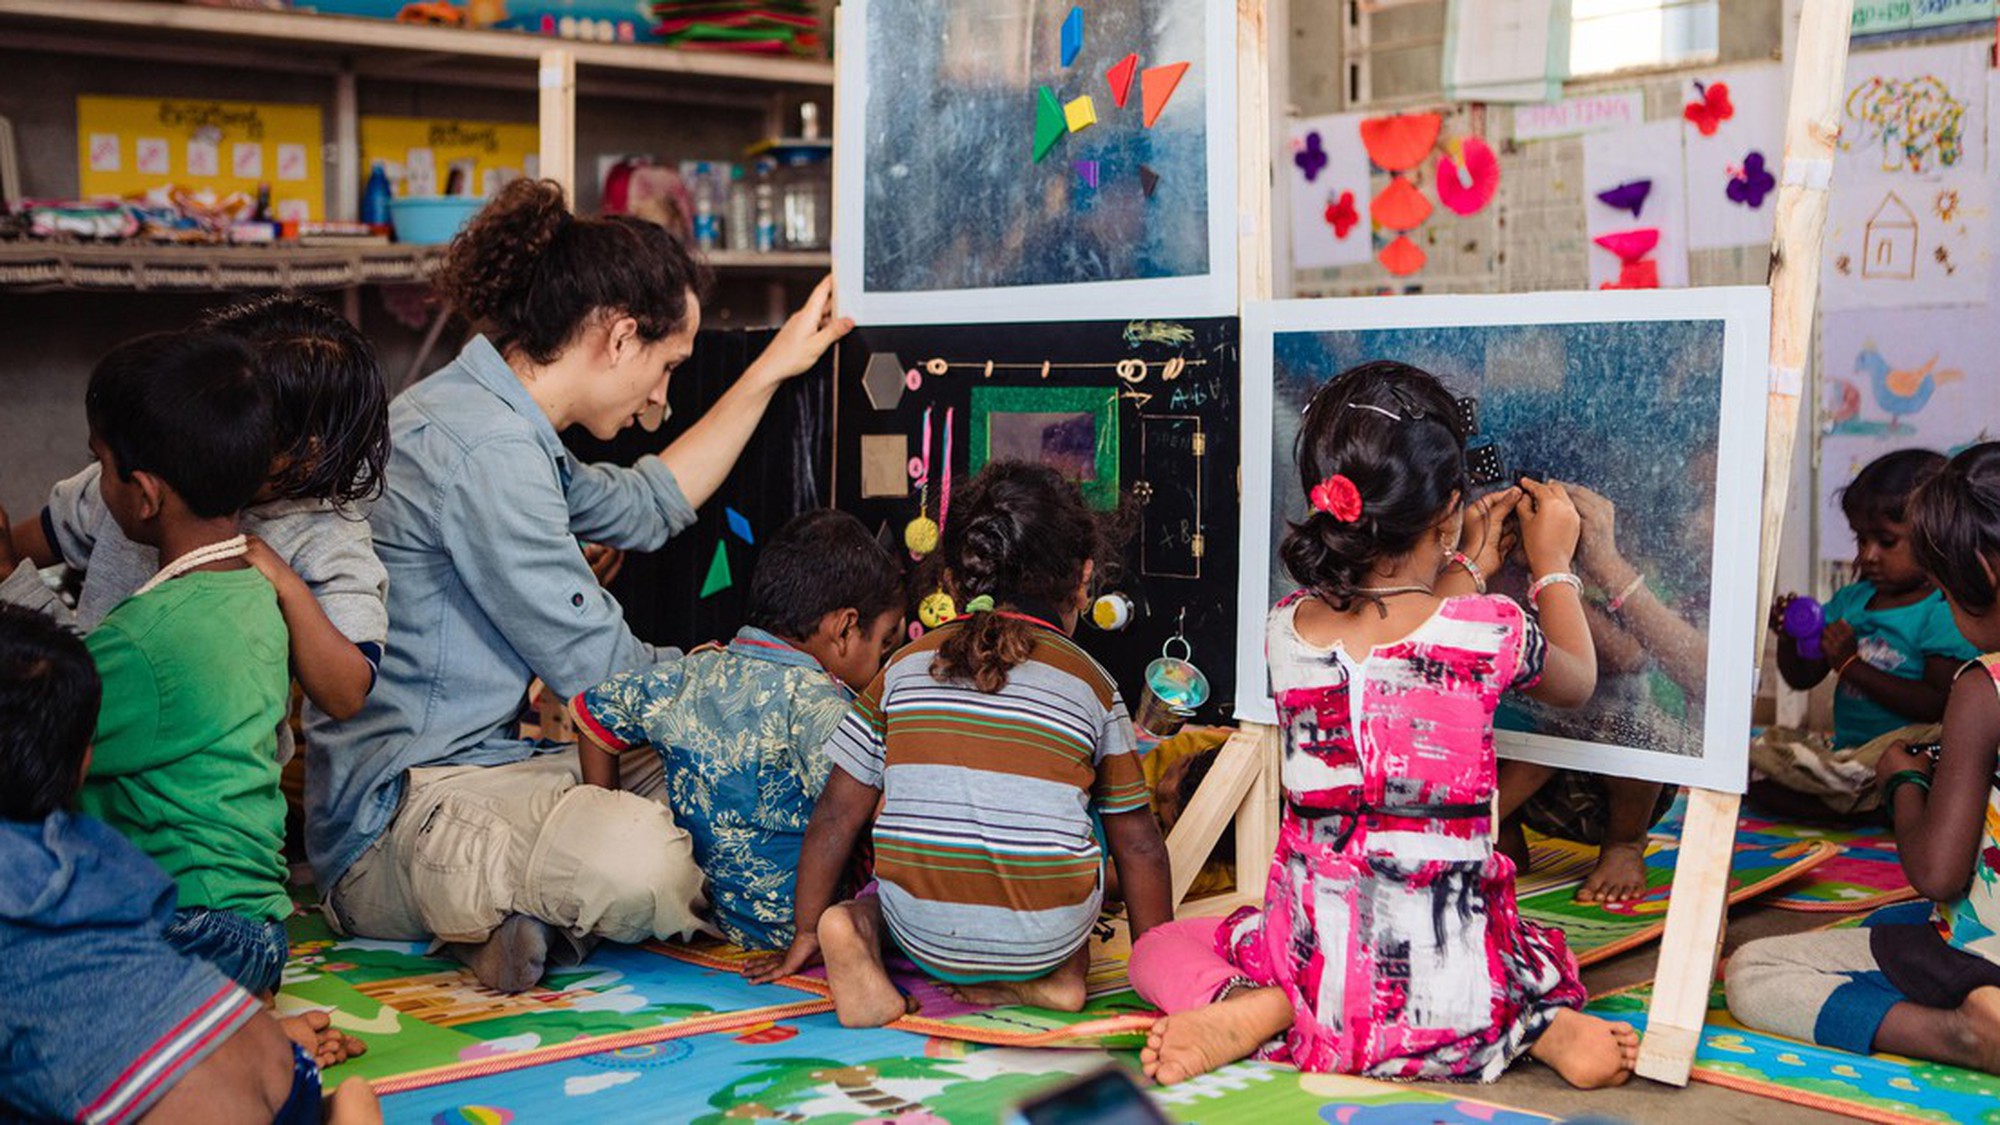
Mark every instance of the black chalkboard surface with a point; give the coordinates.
(1140, 411)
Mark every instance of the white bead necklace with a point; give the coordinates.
(200, 556)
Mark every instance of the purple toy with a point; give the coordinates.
(1804, 621)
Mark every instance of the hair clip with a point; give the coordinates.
(1337, 497)
(981, 604)
(1382, 410)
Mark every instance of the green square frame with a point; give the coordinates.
(1101, 494)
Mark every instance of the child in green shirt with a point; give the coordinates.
(194, 663)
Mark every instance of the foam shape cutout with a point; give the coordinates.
(1341, 215)
(1087, 170)
(1311, 157)
(1156, 86)
(882, 380)
(1120, 76)
(1050, 125)
(1468, 183)
(718, 578)
(1400, 142)
(1072, 36)
(1642, 274)
(1149, 181)
(1628, 196)
(1750, 183)
(1708, 114)
(1400, 206)
(739, 525)
(1080, 113)
(1631, 245)
(1402, 257)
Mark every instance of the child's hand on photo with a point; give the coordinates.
(1549, 527)
(1483, 537)
(1837, 641)
(1597, 543)
(801, 955)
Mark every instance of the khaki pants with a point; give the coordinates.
(471, 845)
(1843, 779)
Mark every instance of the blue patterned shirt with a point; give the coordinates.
(740, 730)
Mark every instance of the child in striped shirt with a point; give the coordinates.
(1003, 760)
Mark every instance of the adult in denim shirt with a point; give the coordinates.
(427, 814)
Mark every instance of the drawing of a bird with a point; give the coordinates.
(1901, 392)
(1850, 403)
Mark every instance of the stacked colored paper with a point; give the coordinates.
(770, 27)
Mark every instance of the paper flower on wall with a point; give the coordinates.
(1402, 257)
(1749, 184)
(1713, 108)
(1311, 159)
(1341, 214)
(1400, 143)
(1467, 176)
(1400, 206)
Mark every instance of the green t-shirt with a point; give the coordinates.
(184, 764)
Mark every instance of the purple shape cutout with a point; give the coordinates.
(1628, 196)
(1311, 159)
(1750, 185)
(1086, 170)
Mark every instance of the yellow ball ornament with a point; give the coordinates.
(936, 609)
(921, 536)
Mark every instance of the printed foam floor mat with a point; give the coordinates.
(1866, 874)
(814, 1071)
(1597, 931)
(1887, 1088)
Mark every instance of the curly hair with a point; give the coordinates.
(1394, 431)
(530, 275)
(1019, 534)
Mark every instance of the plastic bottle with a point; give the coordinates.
(767, 209)
(707, 222)
(375, 200)
(741, 230)
(806, 202)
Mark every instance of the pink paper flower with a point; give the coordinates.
(1337, 497)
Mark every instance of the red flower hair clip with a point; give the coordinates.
(1337, 497)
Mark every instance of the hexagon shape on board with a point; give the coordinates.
(882, 379)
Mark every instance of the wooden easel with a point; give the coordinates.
(1242, 786)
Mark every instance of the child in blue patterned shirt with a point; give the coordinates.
(739, 728)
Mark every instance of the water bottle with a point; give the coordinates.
(767, 209)
(375, 200)
(741, 230)
(707, 223)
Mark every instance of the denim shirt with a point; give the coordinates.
(477, 527)
(740, 731)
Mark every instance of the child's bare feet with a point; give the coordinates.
(850, 941)
(1199, 1040)
(1588, 1052)
(326, 1043)
(1978, 1029)
(1063, 990)
(1620, 874)
(512, 959)
(354, 1103)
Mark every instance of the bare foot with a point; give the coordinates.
(1978, 1028)
(1059, 992)
(851, 944)
(353, 1103)
(512, 959)
(1588, 1052)
(1199, 1040)
(1620, 874)
(326, 1043)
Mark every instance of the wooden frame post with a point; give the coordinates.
(1699, 899)
(556, 79)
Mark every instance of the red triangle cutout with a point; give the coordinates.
(1120, 76)
(1156, 85)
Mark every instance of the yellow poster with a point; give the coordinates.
(129, 146)
(420, 152)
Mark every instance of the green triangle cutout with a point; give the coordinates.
(1050, 125)
(718, 578)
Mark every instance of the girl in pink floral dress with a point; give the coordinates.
(1389, 944)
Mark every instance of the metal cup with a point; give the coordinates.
(1175, 690)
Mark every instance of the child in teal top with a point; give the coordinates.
(1889, 643)
(195, 663)
(739, 729)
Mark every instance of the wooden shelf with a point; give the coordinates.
(300, 32)
(773, 261)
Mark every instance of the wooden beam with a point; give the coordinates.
(1216, 802)
(1253, 150)
(1698, 903)
(557, 82)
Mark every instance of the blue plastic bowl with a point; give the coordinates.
(432, 219)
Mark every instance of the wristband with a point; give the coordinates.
(1478, 576)
(1844, 665)
(1619, 599)
(1562, 578)
(1900, 778)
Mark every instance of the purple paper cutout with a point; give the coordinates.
(1312, 158)
(1086, 170)
(1751, 183)
(1628, 196)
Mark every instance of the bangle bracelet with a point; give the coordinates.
(1900, 778)
(1845, 665)
(1478, 577)
(1562, 578)
(1619, 599)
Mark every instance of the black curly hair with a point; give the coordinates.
(1394, 431)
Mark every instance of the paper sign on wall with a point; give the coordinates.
(421, 146)
(1593, 113)
(1326, 171)
(226, 147)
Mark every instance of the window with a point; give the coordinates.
(1608, 35)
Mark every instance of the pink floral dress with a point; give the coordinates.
(1388, 918)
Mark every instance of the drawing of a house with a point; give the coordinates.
(1889, 243)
